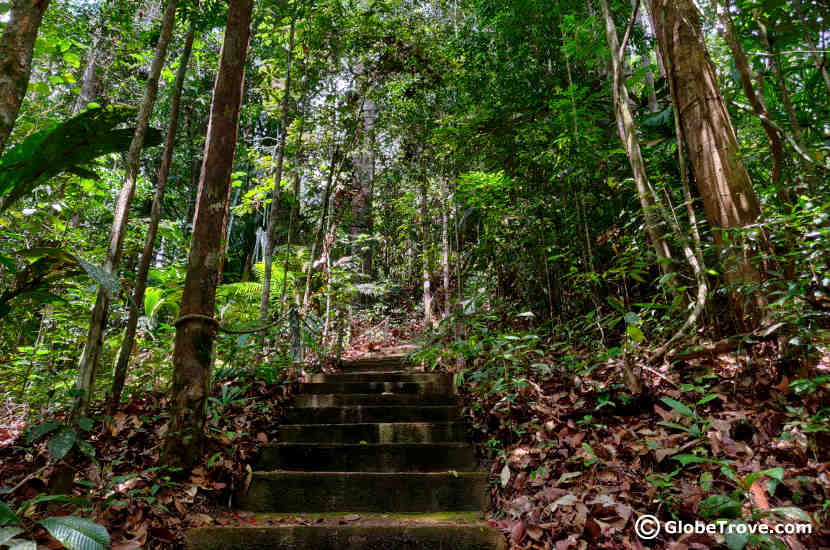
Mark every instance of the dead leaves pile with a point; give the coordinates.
(574, 476)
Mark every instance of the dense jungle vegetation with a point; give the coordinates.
(608, 219)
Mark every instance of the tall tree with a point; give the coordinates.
(88, 363)
(152, 230)
(729, 201)
(16, 49)
(196, 328)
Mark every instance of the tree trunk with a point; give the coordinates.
(192, 355)
(90, 83)
(321, 228)
(152, 230)
(16, 48)
(729, 200)
(445, 243)
(425, 244)
(628, 135)
(95, 335)
(363, 162)
(273, 217)
(776, 145)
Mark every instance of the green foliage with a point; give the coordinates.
(77, 533)
(66, 147)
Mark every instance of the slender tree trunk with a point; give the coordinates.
(90, 84)
(776, 145)
(273, 217)
(363, 163)
(628, 135)
(425, 243)
(152, 230)
(295, 205)
(445, 243)
(729, 200)
(321, 228)
(193, 352)
(98, 322)
(16, 48)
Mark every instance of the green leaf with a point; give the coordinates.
(686, 459)
(720, 506)
(635, 333)
(86, 423)
(77, 533)
(678, 406)
(72, 59)
(87, 449)
(61, 442)
(793, 512)
(735, 540)
(36, 432)
(7, 517)
(8, 533)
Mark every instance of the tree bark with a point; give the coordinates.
(152, 230)
(363, 163)
(445, 243)
(273, 217)
(729, 201)
(16, 48)
(776, 145)
(425, 244)
(88, 363)
(192, 354)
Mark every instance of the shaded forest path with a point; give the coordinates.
(373, 457)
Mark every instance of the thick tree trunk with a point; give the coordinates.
(192, 355)
(152, 230)
(273, 217)
(729, 201)
(16, 48)
(88, 363)
(776, 145)
(628, 135)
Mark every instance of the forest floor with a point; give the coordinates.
(572, 465)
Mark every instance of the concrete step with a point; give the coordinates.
(361, 415)
(394, 432)
(392, 376)
(390, 535)
(387, 398)
(369, 386)
(375, 365)
(366, 492)
(369, 457)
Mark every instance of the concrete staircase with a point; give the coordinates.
(378, 445)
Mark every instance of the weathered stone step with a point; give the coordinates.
(391, 432)
(380, 536)
(369, 457)
(360, 415)
(369, 386)
(366, 492)
(380, 364)
(393, 376)
(386, 398)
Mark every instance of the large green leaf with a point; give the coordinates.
(67, 146)
(7, 517)
(22, 545)
(77, 533)
(61, 442)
